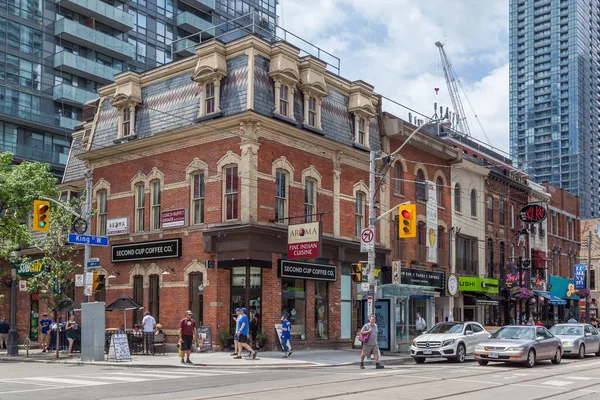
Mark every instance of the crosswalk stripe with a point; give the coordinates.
(133, 374)
(557, 383)
(579, 378)
(200, 372)
(53, 379)
(122, 378)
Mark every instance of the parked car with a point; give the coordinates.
(578, 339)
(520, 344)
(451, 340)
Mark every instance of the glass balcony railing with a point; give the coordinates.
(68, 123)
(72, 95)
(83, 67)
(101, 12)
(38, 117)
(185, 47)
(47, 155)
(93, 39)
(192, 23)
(204, 5)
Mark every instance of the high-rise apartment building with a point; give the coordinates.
(555, 94)
(55, 53)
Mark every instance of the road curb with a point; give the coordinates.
(396, 361)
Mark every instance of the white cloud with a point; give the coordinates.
(390, 44)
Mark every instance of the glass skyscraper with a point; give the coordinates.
(54, 54)
(555, 94)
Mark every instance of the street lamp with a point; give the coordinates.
(13, 335)
(372, 194)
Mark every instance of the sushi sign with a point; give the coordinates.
(304, 241)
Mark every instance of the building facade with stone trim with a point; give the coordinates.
(199, 167)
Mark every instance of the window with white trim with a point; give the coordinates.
(284, 101)
(457, 193)
(512, 216)
(473, 203)
(102, 213)
(361, 135)
(312, 112)
(155, 210)
(198, 198)
(231, 193)
(398, 178)
(126, 122)
(140, 206)
(280, 196)
(310, 200)
(360, 212)
(209, 98)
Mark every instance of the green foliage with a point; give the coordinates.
(20, 184)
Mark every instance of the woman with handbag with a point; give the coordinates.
(368, 337)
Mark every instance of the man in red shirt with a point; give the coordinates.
(187, 329)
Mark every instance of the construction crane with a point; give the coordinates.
(453, 82)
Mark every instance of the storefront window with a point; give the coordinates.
(346, 315)
(293, 303)
(321, 310)
(246, 291)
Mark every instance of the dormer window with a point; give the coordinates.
(312, 112)
(283, 100)
(209, 98)
(126, 122)
(361, 132)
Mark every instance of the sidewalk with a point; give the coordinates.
(300, 358)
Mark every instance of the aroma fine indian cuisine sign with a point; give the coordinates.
(304, 240)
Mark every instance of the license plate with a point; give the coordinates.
(426, 351)
(493, 355)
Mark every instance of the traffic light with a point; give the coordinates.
(41, 215)
(98, 284)
(357, 272)
(408, 221)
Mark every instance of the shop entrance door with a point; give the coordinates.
(246, 292)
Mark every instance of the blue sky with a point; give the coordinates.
(391, 45)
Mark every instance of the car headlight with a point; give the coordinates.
(479, 348)
(517, 348)
(568, 343)
(448, 342)
(414, 343)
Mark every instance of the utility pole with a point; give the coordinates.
(86, 216)
(588, 284)
(520, 285)
(371, 252)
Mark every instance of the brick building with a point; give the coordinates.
(200, 165)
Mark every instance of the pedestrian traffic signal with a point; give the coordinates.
(357, 272)
(41, 215)
(98, 284)
(407, 227)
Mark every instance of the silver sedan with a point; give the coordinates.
(578, 339)
(520, 344)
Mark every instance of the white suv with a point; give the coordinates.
(451, 340)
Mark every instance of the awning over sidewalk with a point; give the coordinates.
(553, 299)
(484, 299)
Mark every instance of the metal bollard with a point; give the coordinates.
(27, 345)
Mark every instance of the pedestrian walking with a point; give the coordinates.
(187, 329)
(420, 324)
(4, 328)
(45, 325)
(236, 337)
(286, 335)
(242, 331)
(371, 345)
(148, 323)
(571, 320)
(71, 328)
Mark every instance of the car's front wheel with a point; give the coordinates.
(419, 360)
(557, 356)
(581, 352)
(530, 362)
(483, 362)
(461, 353)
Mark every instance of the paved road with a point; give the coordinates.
(573, 379)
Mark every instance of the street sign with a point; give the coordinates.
(92, 264)
(79, 280)
(364, 286)
(89, 281)
(88, 239)
(87, 291)
(367, 240)
(370, 305)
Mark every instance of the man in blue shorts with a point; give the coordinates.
(242, 331)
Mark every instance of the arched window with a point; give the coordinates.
(421, 230)
(490, 258)
(440, 191)
(441, 237)
(473, 203)
(310, 200)
(421, 186)
(502, 255)
(360, 212)
(196, 296)
(398, 176)
(457, 197)
(281, 196)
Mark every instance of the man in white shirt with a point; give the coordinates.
(149, 323)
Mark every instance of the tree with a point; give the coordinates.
(20, 184)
